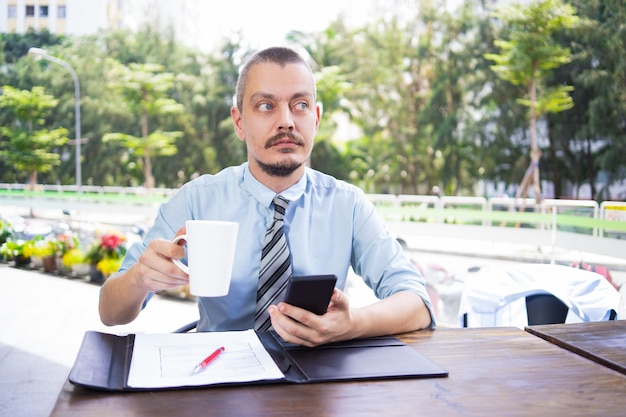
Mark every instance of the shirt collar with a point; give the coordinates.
(264, 195)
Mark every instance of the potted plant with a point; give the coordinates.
(20, 251)
(105, 256)
(64, 243)
(45, 250)
(74, 262)
(6, 234)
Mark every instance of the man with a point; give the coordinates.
(329, 225)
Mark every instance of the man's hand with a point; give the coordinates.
(122, 296)
(155, 270)
(401, 312)
(297, 325)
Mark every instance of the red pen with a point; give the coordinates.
(207, 361)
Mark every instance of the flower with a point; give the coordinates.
(65, 243)
(20, 248)
(108, 266)
(53, 246)
(111, 241)
(73, 257)
(107, 252)
(6, 231)
(43, 248)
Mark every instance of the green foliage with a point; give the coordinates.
(531, 53)
(424, 106)
(6, 231)
(14, 46)
(28, 150)
(527, 58)
(554, 100)
(27, 106)
(591, 136)
(19, 248)
(144, 89)
(156, 143)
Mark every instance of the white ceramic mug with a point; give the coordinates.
(210, 256)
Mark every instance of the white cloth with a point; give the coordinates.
(496, 295)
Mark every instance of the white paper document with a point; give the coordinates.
(168, 360)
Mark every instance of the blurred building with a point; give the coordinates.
(83, 17)
(195, 22)
(199, 24)
(63, 17)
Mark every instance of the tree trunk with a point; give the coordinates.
(532, 173)
(32, 180)
(535, 154)
(591, 173)
(556, 180)
(147, 164)
(147, 168)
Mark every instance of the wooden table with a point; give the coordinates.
(493, 371)
(603, 342)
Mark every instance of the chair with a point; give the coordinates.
(187, 327)
(545, 309)
(541, 309)
(532, 294)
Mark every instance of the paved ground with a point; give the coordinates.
(42, 322)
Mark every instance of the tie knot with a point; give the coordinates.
(280, 206)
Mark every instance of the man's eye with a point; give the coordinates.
(303, 105)
(265, 107)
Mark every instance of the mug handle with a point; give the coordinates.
(177, 262)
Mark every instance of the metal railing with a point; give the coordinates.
(579, 224)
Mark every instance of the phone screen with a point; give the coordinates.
(311, 292)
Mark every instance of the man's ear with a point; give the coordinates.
(237, 122)
(319, 109)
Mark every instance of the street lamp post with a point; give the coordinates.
(44, 54)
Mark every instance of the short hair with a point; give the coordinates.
(277, 55)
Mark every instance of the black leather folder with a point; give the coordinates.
(103, 361)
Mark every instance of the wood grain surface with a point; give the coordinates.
(493, 372)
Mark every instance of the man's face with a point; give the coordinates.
(279, 118)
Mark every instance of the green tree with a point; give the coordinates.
(450, 42)
(25, 148)
(592, 135)
(13, 46)
(385, 101)
(403, 86)
(326, 50)
(144, 89)
(208, 96)
(415, 82)
(527, 58)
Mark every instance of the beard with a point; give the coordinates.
(285, 168)
(279, 169)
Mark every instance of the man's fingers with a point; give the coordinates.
(156, 271)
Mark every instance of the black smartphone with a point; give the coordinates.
(311, 292)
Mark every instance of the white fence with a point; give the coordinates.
(554, 224)
(572, 224)
(92, 189)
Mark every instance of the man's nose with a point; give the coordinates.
(285, 121)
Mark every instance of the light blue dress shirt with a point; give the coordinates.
(330, 226)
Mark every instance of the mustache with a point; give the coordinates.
(296, 139)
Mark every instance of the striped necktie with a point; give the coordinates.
(275, 266)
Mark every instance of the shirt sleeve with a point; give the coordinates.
(379, 259)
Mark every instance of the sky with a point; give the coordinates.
(204, 23)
